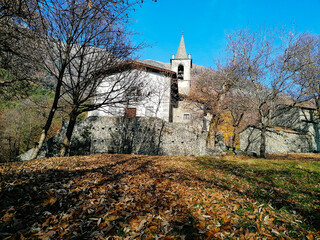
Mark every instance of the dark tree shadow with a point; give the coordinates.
(125, 135)
(136, 135)
(54, 201)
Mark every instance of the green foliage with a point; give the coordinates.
(4, 75)
(38, 92)
(32, 92)
(10, 87)
(21, 120)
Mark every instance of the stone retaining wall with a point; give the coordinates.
(139, 135)
(276, 141)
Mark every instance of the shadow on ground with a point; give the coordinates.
(94, 203)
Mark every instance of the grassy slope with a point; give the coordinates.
(145, 197)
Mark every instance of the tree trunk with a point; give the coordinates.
(29, 136)
(263, 142)
(66, 141)
(316, 125)
(234, 137)
(46, 127)
(212, 132)
(10, 148)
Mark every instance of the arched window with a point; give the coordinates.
(180, 72)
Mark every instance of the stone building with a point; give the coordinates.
(296, 129)
(184, 124)
(164, 123)
(168, 84)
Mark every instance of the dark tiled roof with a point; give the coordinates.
(155, 64)
(139, 65)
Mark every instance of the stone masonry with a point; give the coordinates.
(138, 135)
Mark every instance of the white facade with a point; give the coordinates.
(165, 87)
(154, 102)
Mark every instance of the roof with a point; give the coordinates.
(141, 66)
(182, 52)
(137, 64)
(156, 63)
(307, 105)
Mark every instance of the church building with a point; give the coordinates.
(166, 83)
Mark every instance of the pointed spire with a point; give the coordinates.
(181, 53)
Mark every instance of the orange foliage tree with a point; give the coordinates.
(210, 89)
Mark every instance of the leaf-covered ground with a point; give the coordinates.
(161, 197)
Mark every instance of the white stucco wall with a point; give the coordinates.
(157, 104)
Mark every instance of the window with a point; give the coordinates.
(131, 112)
(186, 116)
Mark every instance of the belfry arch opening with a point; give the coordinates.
(180, 72)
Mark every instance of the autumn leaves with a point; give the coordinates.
(139, 197)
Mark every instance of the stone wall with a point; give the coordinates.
(300, 119)
(276, 141)
(139, 135)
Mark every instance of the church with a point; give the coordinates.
(163, 123)
(168, 84)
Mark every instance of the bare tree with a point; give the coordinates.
(264, 60)
(239, 107)
(81, 34)
(209, 91)
(22, 10)
(91, 87)
(309, 74)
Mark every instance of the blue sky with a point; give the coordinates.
(205, 23)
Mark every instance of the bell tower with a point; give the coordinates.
(182, 64)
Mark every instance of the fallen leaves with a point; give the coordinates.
(133, 197)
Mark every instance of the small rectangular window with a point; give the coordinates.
(130, 112)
